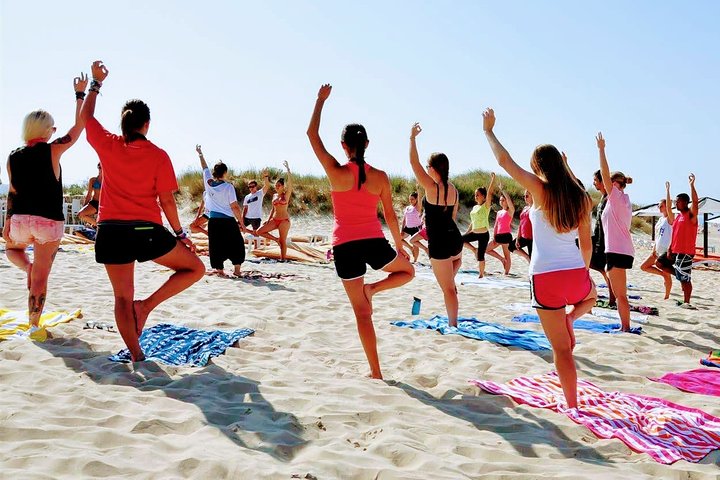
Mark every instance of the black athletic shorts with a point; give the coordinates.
(524, 242)
(254, 222)
(225, 242)
(483, 239)
(664, 261)
(411, 230)
(503, 238)
(598, 260)
(618, 260)
(94, 203)
(118, 242)
(352, 257)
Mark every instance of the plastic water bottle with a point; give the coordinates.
(416, 306)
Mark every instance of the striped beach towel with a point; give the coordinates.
(666, 431)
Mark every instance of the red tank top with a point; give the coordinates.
(355, 212)
(684, 234)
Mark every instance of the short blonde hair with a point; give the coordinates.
(37, 124)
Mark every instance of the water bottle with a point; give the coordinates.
(416, 306)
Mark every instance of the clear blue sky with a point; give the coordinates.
(241, 79)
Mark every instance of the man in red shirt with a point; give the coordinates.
(684, 235)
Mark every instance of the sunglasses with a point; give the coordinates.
(252, 186)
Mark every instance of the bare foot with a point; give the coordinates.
(374, 376)
(369, 291)
(141, 315)
(668, 285)
(452, 324)
(569, 320)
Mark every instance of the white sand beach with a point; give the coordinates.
(293, 401)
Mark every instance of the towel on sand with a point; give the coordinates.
(580, 324)
(14, 324)
(713, 360)
(177, 345)
(478, 330)
(701, 380)
(666, 431)
(644, 309)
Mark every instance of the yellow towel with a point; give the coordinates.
(14, 324)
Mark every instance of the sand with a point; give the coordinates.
(292, 401)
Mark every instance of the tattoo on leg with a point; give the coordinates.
(35, 305)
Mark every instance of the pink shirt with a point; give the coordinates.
(616, 220)
(412, 217)
(502, 222)
(355, 212)
(525, 230)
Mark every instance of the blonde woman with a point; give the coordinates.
(35, 199)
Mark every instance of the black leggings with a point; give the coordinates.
(482, 238)
(225, 242)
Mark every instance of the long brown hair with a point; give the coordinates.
(566, 203)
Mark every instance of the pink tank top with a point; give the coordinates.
(684, 234)
(525, 230)
(355, 212)
(502, 222)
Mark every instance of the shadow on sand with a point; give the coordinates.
(230, 403)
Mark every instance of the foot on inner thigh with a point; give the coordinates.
(140, 313)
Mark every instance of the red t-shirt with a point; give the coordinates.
(133, 176)
(684, 234)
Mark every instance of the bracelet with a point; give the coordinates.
(80, 95)
(95, 86)
(180, 234)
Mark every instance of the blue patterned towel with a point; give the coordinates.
(580, 324)
(474, 328)
(176, 345)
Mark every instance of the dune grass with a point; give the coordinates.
(312, 193)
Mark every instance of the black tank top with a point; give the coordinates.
(444, 239)
(38, 192)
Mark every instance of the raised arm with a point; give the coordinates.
(203, 163)
(522, 176)
(327, 161)
(99, 73)
(488, 197)
(668, 204)
(421, 175)
(511, 206)
(60, 145)
(288, 181)
(266, 181)
(694, 208)
(604, 168)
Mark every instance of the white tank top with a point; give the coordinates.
(552, 251)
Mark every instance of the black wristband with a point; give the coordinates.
(80, 95)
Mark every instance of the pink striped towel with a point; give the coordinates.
(666, 431)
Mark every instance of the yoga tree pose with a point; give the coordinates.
(139, 181)
(358, 240)
(34, 213)
(558, 270)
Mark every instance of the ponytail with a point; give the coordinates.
(355, 138)
(135, 114)
(441, 164)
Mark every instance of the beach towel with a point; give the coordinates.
(581, 324)
(597, 313)
(631, 297)
(666, 431)
(713, 360)
(645, 310)
(470, 277)
(478, 330)
(14, 324)
(701, 380)
(177, 345)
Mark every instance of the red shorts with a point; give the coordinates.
(423, 233)
(555, 290)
